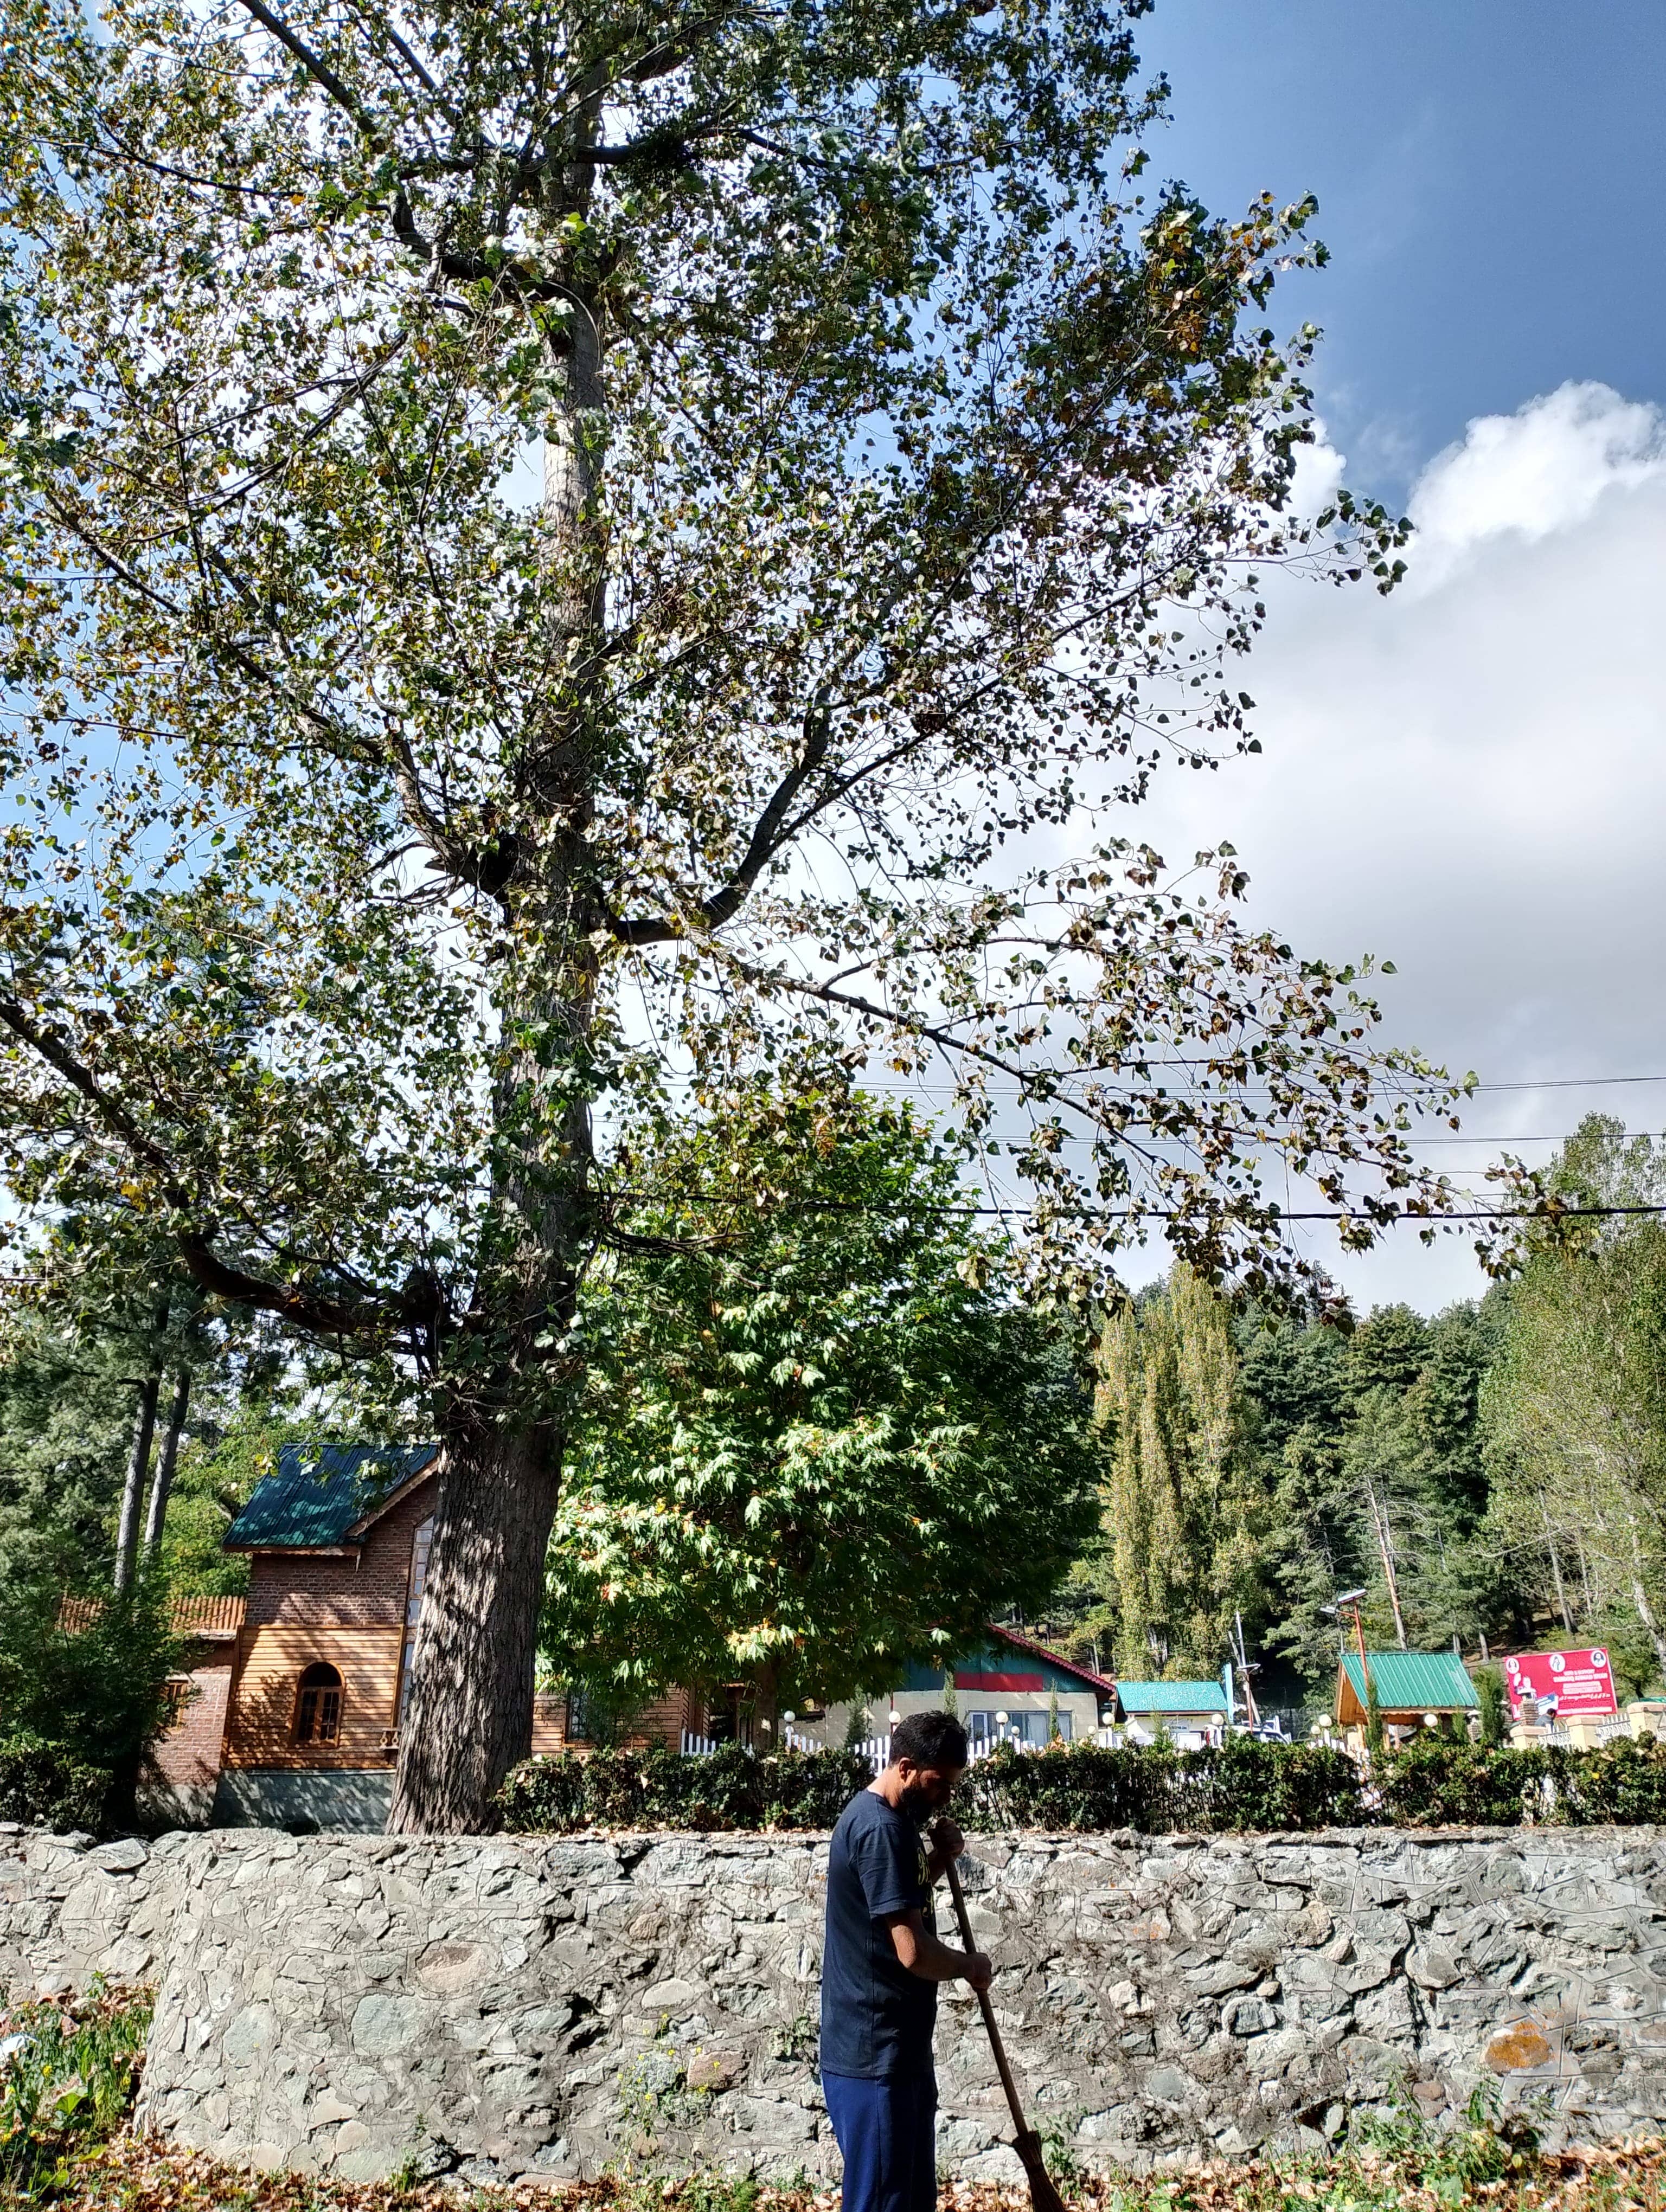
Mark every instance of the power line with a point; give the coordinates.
(1276, 1214)
(1570, 1082)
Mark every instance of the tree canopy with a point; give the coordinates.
(553, 549)
(821, 1441)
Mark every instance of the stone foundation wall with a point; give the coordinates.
(541, 2006)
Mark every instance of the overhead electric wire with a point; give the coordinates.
(1550, 1212)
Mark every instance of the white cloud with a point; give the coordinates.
(1544, 469)
(1470, 777)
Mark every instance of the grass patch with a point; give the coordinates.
(69, 2073)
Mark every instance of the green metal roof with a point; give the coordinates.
(1172, 1697)
(1433, 1681)
(320, 1492)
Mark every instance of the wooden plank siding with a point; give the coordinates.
(660, 1722)
(260, 1730)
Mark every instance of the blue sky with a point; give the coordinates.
(1491, 184)
(1469, 778)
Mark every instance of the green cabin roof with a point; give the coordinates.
(320, 1492)
(1407, 1681)
(1172, 1697)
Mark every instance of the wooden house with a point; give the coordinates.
(338, 1541)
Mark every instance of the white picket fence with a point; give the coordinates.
(876, 1749)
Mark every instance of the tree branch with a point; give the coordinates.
(765, 841)
(322, 1316)
(318, 70)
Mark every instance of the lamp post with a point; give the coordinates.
(1351, 1599)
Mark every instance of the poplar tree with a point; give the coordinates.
(551, 549)
(1181, 1505)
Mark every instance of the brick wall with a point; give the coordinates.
(188, 1755)
(298, 1589)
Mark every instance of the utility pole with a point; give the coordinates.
(1350, 1598)
(1243, 1669)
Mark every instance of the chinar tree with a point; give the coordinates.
(550, 549)
(821, 1444)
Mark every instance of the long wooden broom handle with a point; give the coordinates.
(989, 2011)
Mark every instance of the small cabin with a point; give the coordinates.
(1191, 1713)
(1412, 1689)
(336, 1539)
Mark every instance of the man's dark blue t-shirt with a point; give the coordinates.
(877, 2018)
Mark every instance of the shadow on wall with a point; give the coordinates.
(340, 1798)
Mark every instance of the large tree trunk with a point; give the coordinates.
(470, 1714)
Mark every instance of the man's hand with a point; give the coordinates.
(921, 1954)
(947, 1843)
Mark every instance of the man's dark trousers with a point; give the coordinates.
(886, 2132)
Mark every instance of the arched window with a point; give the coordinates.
(318, 1709)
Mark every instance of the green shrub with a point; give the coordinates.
(1494, 1715)
(45, 1786)
(1625, 1783)
(97, 1690)
(1437, 1783)
(1244, 1784)
(661, 1788)
(68, 2074)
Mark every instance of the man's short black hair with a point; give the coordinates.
(929, 1740)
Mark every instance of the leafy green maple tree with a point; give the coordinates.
(549, 548)
(821, 1441)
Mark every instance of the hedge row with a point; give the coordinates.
(1243, 1785)
(45, 1786)
(662, 1789)
(1436, 1785)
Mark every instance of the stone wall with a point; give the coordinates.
(526, 2005)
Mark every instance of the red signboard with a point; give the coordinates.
(1566, 1683)
(965, 1680)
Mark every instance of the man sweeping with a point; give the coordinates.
(881, 1967)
